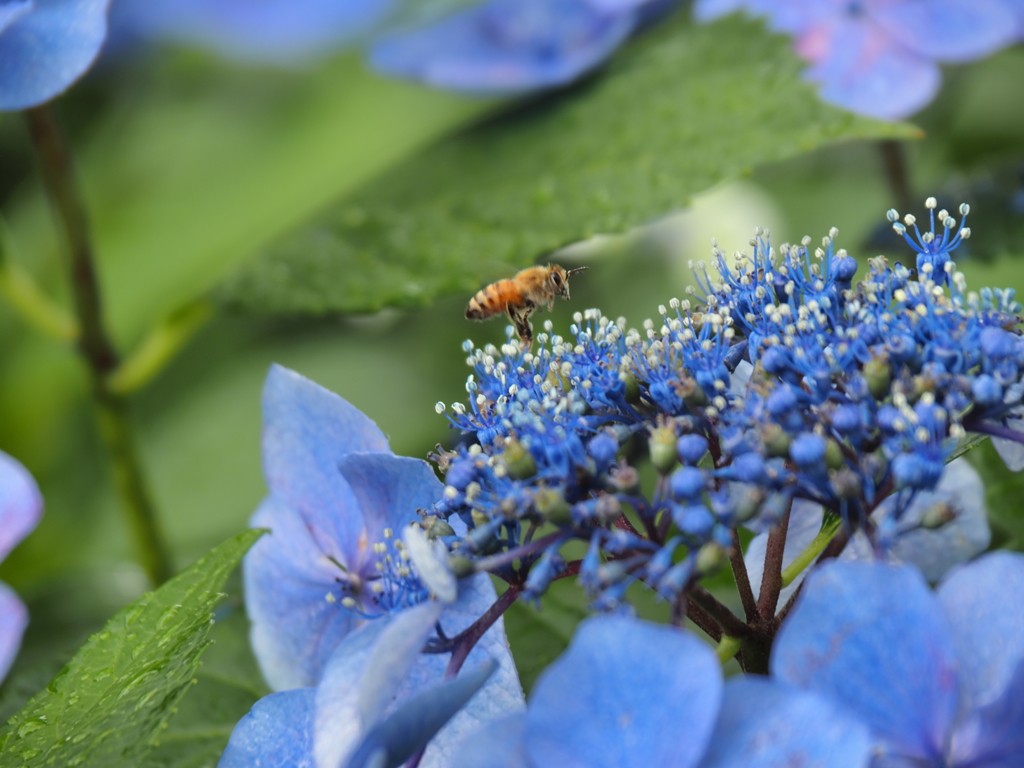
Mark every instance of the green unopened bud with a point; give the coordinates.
(937, 516)
(479, 519)
(436, 527)
(710, 559)
(662, 445)
(921, 384)
(518, 461)
(550, 504)
(776, 441)
(632, 388)
(748, 501)
(846, 484)
(690, 392)
(833, 455)
(461, 566)
(878, 373)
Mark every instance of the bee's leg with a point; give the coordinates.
(521, 320)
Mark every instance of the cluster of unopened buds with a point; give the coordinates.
(781, 387)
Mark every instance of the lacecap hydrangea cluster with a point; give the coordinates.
(787, 374)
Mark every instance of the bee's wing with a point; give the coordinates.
(520, 315)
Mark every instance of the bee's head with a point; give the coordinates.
(558, 280)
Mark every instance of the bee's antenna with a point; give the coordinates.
(574, 271)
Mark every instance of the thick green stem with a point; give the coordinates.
(95, 344)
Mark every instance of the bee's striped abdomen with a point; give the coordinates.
(490, 301)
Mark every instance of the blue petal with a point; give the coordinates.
(361, 678)
(287, 579)
(982, 602)
(500, 697)
(993, 736)
(948, 30)
(1012, 452)
(21, 504)
(505, 46)
(389, 489)
(275, 31)
(498, 745)
(12, 10)
(13, 620)
(45, 50)
(764, 724)
(306, 432)
(418, 719)
(872, 636)
(278, 731)
(626, 694)
(862, 69)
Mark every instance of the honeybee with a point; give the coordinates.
(520, 295)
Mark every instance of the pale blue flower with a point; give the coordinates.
(936, 676)
(21, 506)
(881, 57)
(503, 47)
(631, 694)
(378, 697)
(45, 46)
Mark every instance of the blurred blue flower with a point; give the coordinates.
(502, 47)
(959, 497)
(21, 506)
(275, 31)
(631, 694)
(936, 676)
(338, 505)
(378, 695)
(881, 57)
(45, 46)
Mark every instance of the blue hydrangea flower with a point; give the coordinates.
(378, 694)
(21, 506)
(275, 31)
(631, 694)
(502, 47)
(339, 501)
(881, 57)
(956, 507)
(45, 46)
(936, 676)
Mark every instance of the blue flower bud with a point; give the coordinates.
(914, 471)
(845, 268)
(694, 520)
(687, 483)
(543, 573)
(692, 448)
(748, 468)
(602, 448)
(676, 579)
(846, 419)
(986, 390)
(997, 343)
(781, 401)
(808, 451)
(461, 473)
(775, 360)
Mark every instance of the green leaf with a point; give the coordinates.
(538, 636)
(681, 109)
(110, 702)
(227, 686)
